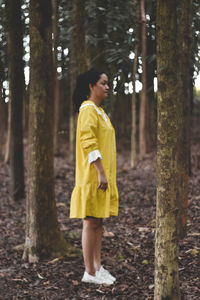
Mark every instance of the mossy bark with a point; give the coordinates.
(185, 54)
(43, 236)
(16, 94)
(166, 245)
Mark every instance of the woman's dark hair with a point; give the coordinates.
(82, 90)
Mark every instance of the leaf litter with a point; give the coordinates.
(128, 240)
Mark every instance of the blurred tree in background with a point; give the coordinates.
(110, 39)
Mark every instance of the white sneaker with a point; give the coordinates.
(94, 279)
(103, 273)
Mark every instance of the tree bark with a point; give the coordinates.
(7, 146)
(43, 236)
(56, 80)
(151, 66)
(166, 245)
(143, 129)
(78, 63)
(3, 122)
(16, 93)
(185, 54)
(99, 60)
(133, 104)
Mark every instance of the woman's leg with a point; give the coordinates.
(91, 244)
(97, 249)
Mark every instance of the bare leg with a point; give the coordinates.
(97, 249)
(91, 244)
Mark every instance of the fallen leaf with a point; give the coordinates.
(145, 262)
(75, 282)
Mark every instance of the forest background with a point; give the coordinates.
(38, 123)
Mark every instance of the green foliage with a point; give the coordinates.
(120, 18)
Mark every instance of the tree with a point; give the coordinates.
(55, 64)
(185, 59)
(43, 237)
(14, 145)
(143, 126)
(133, 106)
(16, 94)
(78, 63)
(166, 245)
(3, 120)
(99, 61)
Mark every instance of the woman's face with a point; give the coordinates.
(100, 89)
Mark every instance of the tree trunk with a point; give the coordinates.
(43, 236)
(7, 146)
(133, 113)
(3, 122)
(16, 93)
(151, 66)
(99, 60)
(166, 246)
(56, 81)
(185, 54)
(143, 129)
(78, 63)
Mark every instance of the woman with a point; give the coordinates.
(95, 195)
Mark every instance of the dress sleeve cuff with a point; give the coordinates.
(94, 155)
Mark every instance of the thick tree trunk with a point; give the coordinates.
(43, 237)
(166, 246)
(78, 63)
(185, 54)
(143, 128)
(16, 93)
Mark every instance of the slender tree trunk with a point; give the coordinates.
(3, 122)
(7, 146)
(99, 60)
(43, 236)
(16, 94)
(185, 54)
(143, 129)
(166, 246)
(133, 113)
(150, 89)
(56, 81)
(78, 63)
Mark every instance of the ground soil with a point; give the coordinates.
(128, 242)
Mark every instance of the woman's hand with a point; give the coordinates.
(103, 183)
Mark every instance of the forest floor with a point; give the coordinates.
(128, 242)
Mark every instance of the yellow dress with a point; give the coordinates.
(95, 138)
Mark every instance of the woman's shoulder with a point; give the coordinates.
(90, 106)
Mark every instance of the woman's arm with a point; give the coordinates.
(103, 183)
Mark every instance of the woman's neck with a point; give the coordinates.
(96, 101)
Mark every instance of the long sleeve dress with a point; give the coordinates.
(95, 138)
